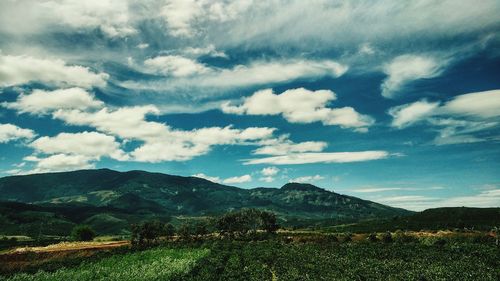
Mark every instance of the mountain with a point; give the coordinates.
(105, 197)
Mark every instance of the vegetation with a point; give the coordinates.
(83, 233)
(153, 264)
(246, 221)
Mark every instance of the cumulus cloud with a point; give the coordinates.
(240, 179)
(89, 144)
(112, 17)
(160, 141)
(270, 171)
(184, 17)
(307, 179)
(18, 70)
(175, 65)
(268, 174)
(300, 106)
(407, 68)
(320, 157)
(43, 102)
(10, 132)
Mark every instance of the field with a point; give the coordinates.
(305, 256)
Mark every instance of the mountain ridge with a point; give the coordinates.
(137, 195)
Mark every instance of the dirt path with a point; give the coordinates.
(71, 246)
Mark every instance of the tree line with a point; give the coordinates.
(238, 224)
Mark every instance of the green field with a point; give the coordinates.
(278, 260)
(154, 264)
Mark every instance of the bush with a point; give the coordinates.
(372, 237)
(83, 233)
(387, 237)
(401, 237)
(346, 237)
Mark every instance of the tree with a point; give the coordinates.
(169, 230)
(148, 233)
(269, 222)
(83, 233)
(245, 221)
(185, 231)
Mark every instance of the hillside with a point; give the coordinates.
(101, 197)
(432, 219)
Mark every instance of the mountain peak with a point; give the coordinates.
(300, 186)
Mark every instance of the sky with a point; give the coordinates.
(392, 101)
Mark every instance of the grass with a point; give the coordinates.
(154, 264)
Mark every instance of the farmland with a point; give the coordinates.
(286, 256)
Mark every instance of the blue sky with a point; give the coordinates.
(389, 101)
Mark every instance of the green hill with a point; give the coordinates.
(81, 196)
(432, 219)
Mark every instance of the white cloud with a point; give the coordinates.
(203, 176)
(42, 102)
(300, 106)
(268, 174)
(254, 74)
(60, 162)
(453, 131)
(407, 68)
(282, 146)
(161, 142)
(143, 46)
(17, 70)
(270, 171)
(9, 132)
(89, 144)
(322, 157)
(179, 15)
(175, 65)
(112, 17)
(267, 179)
(307, 179)
(201, 51)
(459, 120)
(484, 199)
(240, 179)
(185, 17)
(231, 180)
(408, 114)
(480, 104)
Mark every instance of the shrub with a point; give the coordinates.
(401, 237)
(83, 233)
(346, 237)
(387, 237)
(372, 237)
